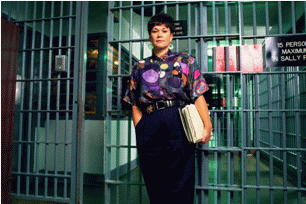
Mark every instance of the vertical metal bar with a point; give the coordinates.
(177, 18)
(48, 102)
(284, 137)
(229, 21)
(305, 17)
(254, 23)
(131, 37)
(203, 44)
(39, 96)
(24, 55)
(293, 17)
(129, 192)
(280, 18)
(217, 21)
(214, 33)
(118, 107)
(243, 99)
(204, 65)
(199, 153)
(109, 105)
(58, 99)
(66, 152)
(241, 23)
(142, 30)
(271, 152)
(267, 18)
(226, 18)
(229, 93)
(153, 8)
(17, 12)
(189, 26)
(298, 135)
(78, 98)
(31, 105)
(9, 11)
(257, 138)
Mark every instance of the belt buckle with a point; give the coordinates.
(157, 108)
(168, 104)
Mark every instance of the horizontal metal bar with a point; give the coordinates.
(121, 146)
(116, 182)
(40, 198)
(220, 188)
(245, 110)
(45, 19)
(222, 36)
(43, 111)
(227, 73)
(46, 48)
(42, 175)
(167, 4)
(51, 79)
(219, 149)
(226, 188)
(271, 35)
(224, 149)
(276, 188)
(42, 142)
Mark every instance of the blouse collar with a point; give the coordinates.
(163, 57)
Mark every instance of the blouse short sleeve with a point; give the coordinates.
(196, 83)
(131, 95)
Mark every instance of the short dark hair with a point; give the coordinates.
(160, 19)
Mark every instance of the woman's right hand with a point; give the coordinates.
(136, 115)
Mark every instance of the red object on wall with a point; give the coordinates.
(9, 52)
(232, 67)
(221, 59)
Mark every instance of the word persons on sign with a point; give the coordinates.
(286, 51)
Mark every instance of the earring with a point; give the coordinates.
(151, 47)
(171, 46)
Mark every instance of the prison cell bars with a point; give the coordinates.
(37, 144)
(244, 111)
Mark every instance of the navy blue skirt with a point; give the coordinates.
(167, 159)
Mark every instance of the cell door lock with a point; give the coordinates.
(61, 63)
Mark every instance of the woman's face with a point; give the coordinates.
(161, 37)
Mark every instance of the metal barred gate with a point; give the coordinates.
(49, 99)
(258, 151)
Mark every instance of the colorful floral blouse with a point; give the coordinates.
(174, 76)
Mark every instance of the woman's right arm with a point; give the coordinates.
(136, 114)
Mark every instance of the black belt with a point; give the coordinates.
(159, 105)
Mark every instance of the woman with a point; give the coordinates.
(159, 86)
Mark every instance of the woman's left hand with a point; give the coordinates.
(206, 136)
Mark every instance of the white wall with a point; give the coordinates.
(93, 146)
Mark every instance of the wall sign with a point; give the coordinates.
(180, 28)
(286, 51)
